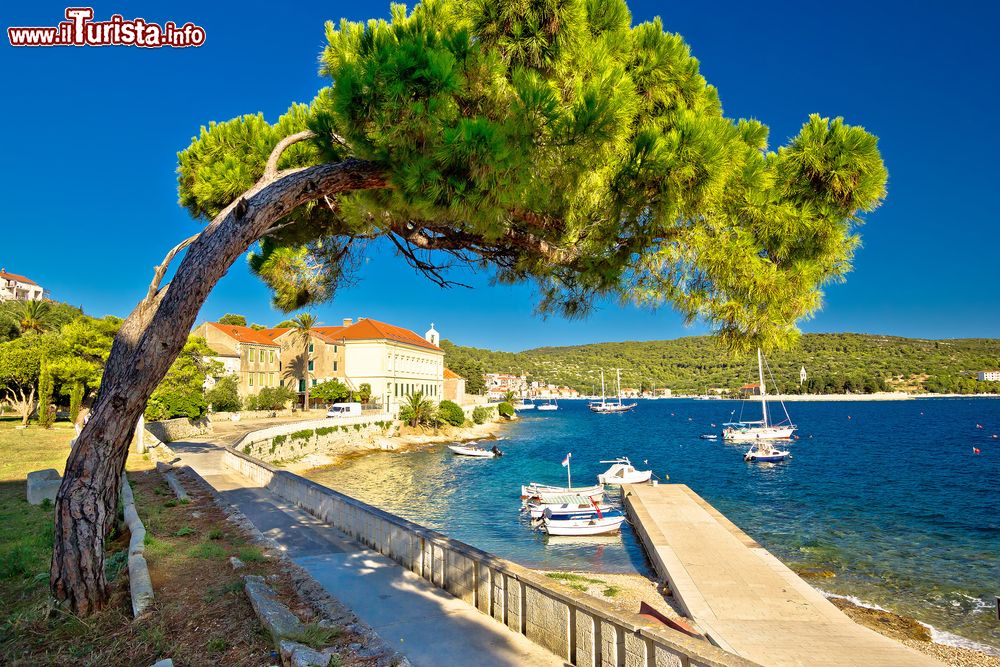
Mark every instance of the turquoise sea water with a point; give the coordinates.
(886, 495)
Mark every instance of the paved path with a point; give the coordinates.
(741, 596)
(428, 625)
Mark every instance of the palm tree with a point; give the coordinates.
(509, 397)
(417, 409)
(302, 327)
(35, 316)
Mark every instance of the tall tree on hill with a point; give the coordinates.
(34, 317)
(548, 139)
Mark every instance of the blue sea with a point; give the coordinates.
(887, 496)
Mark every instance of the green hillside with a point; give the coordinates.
(834, 363)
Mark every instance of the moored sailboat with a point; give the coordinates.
(763, 429)
(604, 406)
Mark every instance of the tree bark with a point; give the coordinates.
(146, 345)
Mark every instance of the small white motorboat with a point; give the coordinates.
(548, 494)
(566, 504)
(709, 436)
(623, 472)
(765, 452)
(548, 407)
(478, 452)
(594, 523)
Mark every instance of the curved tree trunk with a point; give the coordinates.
(149, 340)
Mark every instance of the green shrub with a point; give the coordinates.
(184, 531)
(357, 427)
(481, 415)
(325, 430)
(279, 440)
(225, 396)
(304, 434)
(115, 563)
(215, 534)
(451, 413)
(506, 410)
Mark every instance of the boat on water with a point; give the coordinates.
(548, 494)
(474, 451)
(524, 404)
(766, 452)
(623, 472)
(606, 407)
(709, 436)
(593, 523)
(764, 428)
(548, 406)
(561, 505)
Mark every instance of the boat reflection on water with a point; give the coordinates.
(583, 540)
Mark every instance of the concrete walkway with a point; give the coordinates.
(428, 625)
(744, 598)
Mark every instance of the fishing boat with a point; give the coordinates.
(606, 407)
(709, 436)
(549, 406)
(592, 523)
(478, 452)
(623, 472)
(548, 494)
(560, 505)
(764, 428)
(765, 452)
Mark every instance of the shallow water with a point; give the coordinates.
(888, 496)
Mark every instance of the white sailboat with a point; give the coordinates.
(763, 429)
(524, 404)
(604, 406)
(549, 406)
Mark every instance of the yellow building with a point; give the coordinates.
(250, 355)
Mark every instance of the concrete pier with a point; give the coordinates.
(742, 597)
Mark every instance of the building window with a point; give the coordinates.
(310, 365)
(302, 385)
(261, 378)
(314, 382)
(335, 367)
(270, 357)
(335, 349)
(250, 377)
(310, 348)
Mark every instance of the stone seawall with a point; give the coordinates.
(578, 628)
(328, 437)
(169, 430)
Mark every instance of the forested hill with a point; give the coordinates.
(833, 362)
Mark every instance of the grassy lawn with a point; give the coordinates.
(200, 614)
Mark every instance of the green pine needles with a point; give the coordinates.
(552, 141)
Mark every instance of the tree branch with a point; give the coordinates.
(271, 168)
(161, 269)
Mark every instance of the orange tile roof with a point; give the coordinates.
(14, 276)
(451, 375)
(245, 334)
(368, 329)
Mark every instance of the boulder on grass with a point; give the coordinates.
(43, 484)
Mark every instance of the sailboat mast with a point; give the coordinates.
(619, 372)
(763, 389)
(603, 394)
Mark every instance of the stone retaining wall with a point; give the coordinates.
(169, 430)
(578, 628)
(348, 435)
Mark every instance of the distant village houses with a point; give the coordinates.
(19, 288)
(988, 376)
(395, 362)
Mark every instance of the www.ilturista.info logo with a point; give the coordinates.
(81, 30)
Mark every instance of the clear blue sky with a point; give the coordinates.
(89, 193)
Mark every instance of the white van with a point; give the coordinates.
(344, 410)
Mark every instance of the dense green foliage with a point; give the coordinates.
(480, 414)
(20, 317)
(450, 412)
(418, 410)
(270, 398)
(834, 363)
(181, 393)
(46, 385)
(556, 142)
(505, 409)
(225, 395)
(233, 319)
(331, 391)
